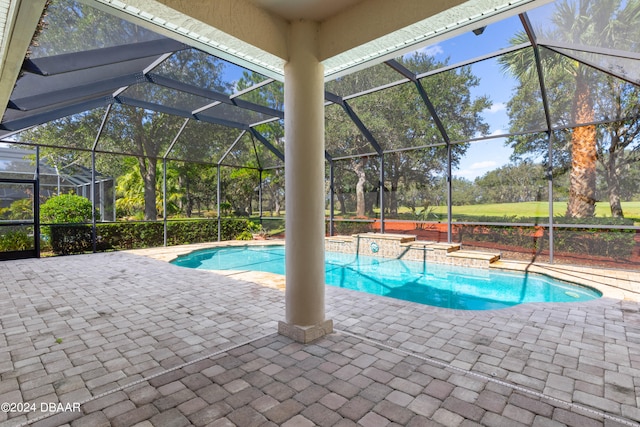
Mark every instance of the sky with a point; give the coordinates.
(484, 156)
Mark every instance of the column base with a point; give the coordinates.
(305, 334)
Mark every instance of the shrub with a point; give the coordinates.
(66, 209)
(245, 235)
(15, 240)
(77, 238)
(345, 228)
(593, 241)
(20, 209)
(69, 238)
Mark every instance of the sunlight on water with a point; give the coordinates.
(438, 285)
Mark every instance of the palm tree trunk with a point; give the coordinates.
(582, 187)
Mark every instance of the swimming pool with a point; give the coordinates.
(437, 285)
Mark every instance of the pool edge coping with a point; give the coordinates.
(568, 273)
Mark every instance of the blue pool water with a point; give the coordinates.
(432, 284)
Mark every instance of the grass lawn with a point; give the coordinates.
(525, 209)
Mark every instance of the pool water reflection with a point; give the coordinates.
(461, 288)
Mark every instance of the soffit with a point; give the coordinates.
(18, 19)
(313, 10)
(354, 34)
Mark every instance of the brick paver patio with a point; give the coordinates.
(121, 339)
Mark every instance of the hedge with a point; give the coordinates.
(15, 239)
(346, 228)
(593, 241)
(77, 238)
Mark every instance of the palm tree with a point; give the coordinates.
(580, 23)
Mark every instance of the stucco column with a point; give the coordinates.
(304, 186)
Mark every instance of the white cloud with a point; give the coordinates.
(433, 50)
(465, 174)
(483, 165)
(475, 169)
(496, 108)
(497, 132)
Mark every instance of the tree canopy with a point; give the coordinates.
(579, 96)
(399, 118)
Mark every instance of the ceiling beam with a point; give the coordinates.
(267, 144)
(213, 95)
(75, 61)
(95, 89)
(23, 122)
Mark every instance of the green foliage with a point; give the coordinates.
(347, 228)
(539, 210)
(66, 209)
(15, 240)
(270, 227)
(427, 213)
(243, 191)
(512, 183)
(130, 191)
(225, 208)
(245, 235)
(70, 239)
(254, 227)
(20, 209)
(398, 118)
(593, 241)
(579, 94)
(617, 244)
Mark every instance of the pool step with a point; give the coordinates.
(490, 257)
(406, 247)
(401, 238)
(450, 253)
(431, 246)
(339, 239)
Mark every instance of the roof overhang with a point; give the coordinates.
(18, 20)
(352, 34)
(254, 35)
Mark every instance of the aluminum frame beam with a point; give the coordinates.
(213, 95)
(22, 123)
(547, 114)
(79, 92)
(266, 143)
(64, 63)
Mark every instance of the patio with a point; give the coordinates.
(137, 341)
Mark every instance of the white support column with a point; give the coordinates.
(304, 185)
